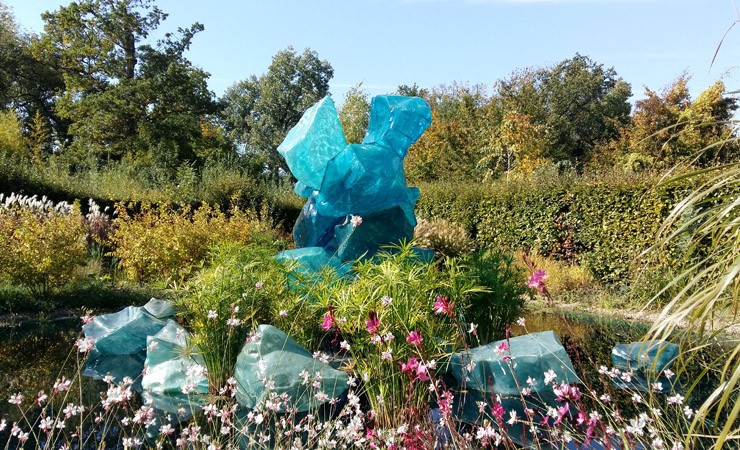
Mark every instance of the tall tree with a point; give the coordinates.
(669, 125)
(451, 146)
(259, 111)
(580, 103)
(120, 92)
(27, 85)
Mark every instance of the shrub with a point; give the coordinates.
(42, 244)
(503, 301)
(164, 244)
(602, 224)
(229, 298)
(373, 315)
(445, 238)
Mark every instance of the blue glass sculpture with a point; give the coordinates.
(646, 363)
(342, 182)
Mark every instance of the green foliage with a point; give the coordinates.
(241, 283)
(579, 102)
(703, 289)
(669, 126)
(355, 114)
(123, 98)
(445, 238)
(602, 224)
(516, 147)
(259, 111)
(11, 134)
(503, 301)
(410, 288)
(451, 147)
(41, 250)
(164, 244)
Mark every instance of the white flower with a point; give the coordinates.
(675, 400)
(531, 381)
(283, 313)
(657, 386)
(522, 322)
(627, 377)
(344, 345)
(153, 345)
(16, 399)
(387, 355)
(637, 398)
(688, 412)
(85, 345)
(512, 417)
(473, 328)
(233, 322)
(212, 314)
(62, 385)
(386, 301)
(550, 376)
(668, 373)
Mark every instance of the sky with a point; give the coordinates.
(385, 43)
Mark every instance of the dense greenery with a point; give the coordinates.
(602, 224)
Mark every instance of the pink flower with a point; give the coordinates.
(498, 411)
(566, 392)
(87, 318)
(445, 402)
(443, 305)
(258, 285)
(373, 324)
(414, 338)
(537, 280)
(410, 366)
(356, 221)
(328, 323)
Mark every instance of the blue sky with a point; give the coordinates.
(384, 43)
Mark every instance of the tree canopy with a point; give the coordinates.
(259, 111)
(123, 96)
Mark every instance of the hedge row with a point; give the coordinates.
(603, 225)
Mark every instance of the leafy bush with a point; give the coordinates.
(41, 244)
(601, 224)
(445, 238)
(502, 302)
(223, 302)
(164, 244)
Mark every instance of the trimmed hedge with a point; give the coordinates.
(603, 225)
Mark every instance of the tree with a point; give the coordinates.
(668, 125)
(259, 111)
(122, 96)
(27, 85)
(578, 101)
(451, 147)
(517, 146)
(355, 114)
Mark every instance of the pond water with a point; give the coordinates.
(33, 355)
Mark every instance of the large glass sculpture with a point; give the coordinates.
(348, 185)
